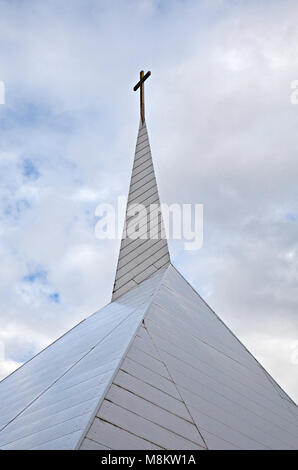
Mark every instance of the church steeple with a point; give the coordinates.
(147, 252)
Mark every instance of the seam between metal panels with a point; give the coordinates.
(166, 263)
(149, 163)
(139, 264)
(141, 201)
(86, 430)
(140, 137)
(135, 177)
(224, 353)
(195, 368)
(51, 440)
(29, 360)
(141, 158)
(137, 163)
(154, 201)
(263, 369)
(138, 157)
(233, 402)
(147, 182)
(229, 387)
(143, 177)
(96, 442)
(135, 181)
(146, 158)
(218, 350)
(55, 341)
(144, 240)
(145, 221)
(233, 429)
(154, 322)
(151, 370)
(60, 377)
(129, 432)
(140, 146)
(235, 415)
(48, 427)
(138, 200)
(151, 246)
(178, 391)
(133, 248)
(93, 415)
(145, 252)
(150, 420)
(142, 131)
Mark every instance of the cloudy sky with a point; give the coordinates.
(223, 133)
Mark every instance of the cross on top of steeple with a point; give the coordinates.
(140, 85)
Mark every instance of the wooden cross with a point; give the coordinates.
(140, 85)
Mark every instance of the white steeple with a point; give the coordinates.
(142, 256)
(155, 369)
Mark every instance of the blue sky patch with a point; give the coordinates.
(55, 297)
(291, 217)
(30, 170)
(40, 275)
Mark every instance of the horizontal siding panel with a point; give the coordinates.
(122, 290)
(147, 361)
(221, 430)
(134, 185)
(144, 428)
(141, 166)
(153, 413)
(145, 274)
(147, 244)
(116, 438)
(134, 193)
(162, 261)
(140, 268)
(149, 377)
(141, 174)
(151, 394)
(88, 444)
(146, 345)
(139, 198)
(149, 252)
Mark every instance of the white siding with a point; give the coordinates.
(232, 399)
(49, 402)
(140, 258)
(143, 402)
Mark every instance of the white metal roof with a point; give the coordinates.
(49, 401)
(186, 382)
(154, 369)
